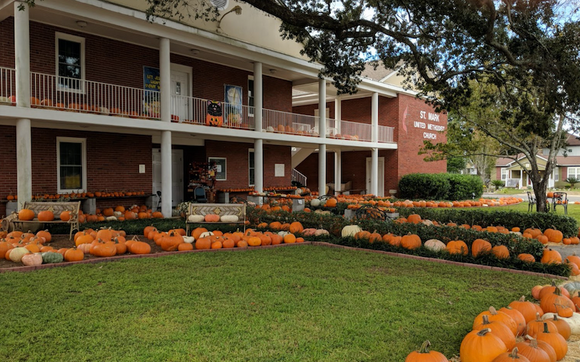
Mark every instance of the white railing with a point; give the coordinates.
(299, 177)
(200, 111)
(77, 95)
(355, 131)
(386, 134)
(7, 86)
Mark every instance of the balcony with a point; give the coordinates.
(74, 95)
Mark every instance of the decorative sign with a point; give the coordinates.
(233, 105)
(151, 84)
(219, 166)
(214, 116)
(429, 117)
(279, 170)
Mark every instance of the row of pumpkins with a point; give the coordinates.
(30, 248)
(478, 247)
(314, 202)
(118, 213)
(522, 332)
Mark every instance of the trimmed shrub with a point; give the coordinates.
(509, 219)
(440, 186)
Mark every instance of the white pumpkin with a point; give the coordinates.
(111, 218)
(315, 202)
(118, 214)
(195, 218)
(435, 245)
(205, 234)
(350, 230)
(573, 321)
(283, 233)
(320, 232)
(17, 253)
(270, 129)
(427, 222)
(188, 239)
(230, 218)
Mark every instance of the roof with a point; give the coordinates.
(377, 74)
(572, 140)
(560, 161)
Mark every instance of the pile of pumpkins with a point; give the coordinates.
(523, 331)
(28, 248)
(201, 238)
(478, 247)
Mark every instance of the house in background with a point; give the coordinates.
(93, 97)
(567, 165)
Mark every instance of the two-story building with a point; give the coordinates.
(94, 97)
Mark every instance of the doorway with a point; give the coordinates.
(176, 175)
(181, 91)
(380, 175)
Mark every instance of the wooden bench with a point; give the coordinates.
(56, 208)
(195, 209)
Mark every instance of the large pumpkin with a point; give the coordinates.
(411, 241)
(457, 247)
(481, 346)
(26, 214)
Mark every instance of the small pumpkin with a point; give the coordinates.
(425, 355)
(195, 218)
(212, 218)
(435, 245)
(512, 356)
(230, 218)
(50, 257)
(33, 259)
(457, 247)
(16, 254)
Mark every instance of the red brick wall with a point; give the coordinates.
(114, 62)
(112, 161)
(410, 138)
(238, 166)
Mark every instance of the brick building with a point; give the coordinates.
(95, 97)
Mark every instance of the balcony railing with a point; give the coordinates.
(76, 95)
(7, 86)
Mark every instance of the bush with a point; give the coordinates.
(440, 186)
(509, 219)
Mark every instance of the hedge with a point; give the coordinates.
(509, 219)
(440, 186)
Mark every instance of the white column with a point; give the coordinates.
(165, 97)
(165, 78)
(23, 126)
(166, 181)
(24, 160)
(321, 170)
(259, 165)
(338, 113)
(374, 171)
(258, 96)
(375, 118)
(337, 170)
(322, 108)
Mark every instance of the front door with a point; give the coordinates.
(180, 91)
(176, 175)
(381, 176)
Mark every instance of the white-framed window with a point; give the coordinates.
(504, 174)
(71, 168)
(251, 167)
(70, 62)
(574, 172)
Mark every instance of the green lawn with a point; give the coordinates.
(301, 303)
(573, 209)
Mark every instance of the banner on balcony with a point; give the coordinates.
(233, 105)
(151, 85)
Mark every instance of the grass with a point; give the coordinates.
(301, 303)
(573, 209)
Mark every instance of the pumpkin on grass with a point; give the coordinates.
(426, 355)
(481, 346)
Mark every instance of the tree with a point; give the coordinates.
(456, 164)
(526, 48)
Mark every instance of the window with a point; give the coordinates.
(71, 164)
(504, 174)
(574, 172)
(70, 62)
(251, 167)
(556, 173)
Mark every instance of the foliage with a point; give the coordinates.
(440, 186)
(498, 184)
(572, 181)
(509, 219)
(455, 164)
